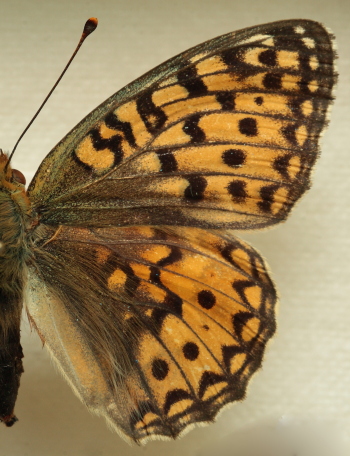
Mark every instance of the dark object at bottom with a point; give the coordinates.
(11, 368)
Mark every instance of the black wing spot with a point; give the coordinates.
(237, 190)
(196, 188)
(189, 79)
(267, 196)
(259, 100)
(234, 157)
(248, 126)
(227, 100)
(168, 163)
(206, 299)
(272, 81)
(160, 369)
(190, 351)
(289, 132)
(192, 129)
(281, 165)
(268, 57)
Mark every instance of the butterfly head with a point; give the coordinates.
(14, 209)
(10, 178)
(12, 185)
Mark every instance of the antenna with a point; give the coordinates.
(89, 27)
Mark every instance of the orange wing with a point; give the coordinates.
(155, 322)
(224, 135)
(154, 328)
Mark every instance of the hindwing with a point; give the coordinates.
(154, 328)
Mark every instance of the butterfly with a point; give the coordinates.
(121, 249)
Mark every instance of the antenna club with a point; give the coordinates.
(90, 26)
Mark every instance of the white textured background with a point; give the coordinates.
(299, 403)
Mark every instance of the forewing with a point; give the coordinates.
(155, 329)
(224, 135)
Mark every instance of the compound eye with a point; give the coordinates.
(18, 177)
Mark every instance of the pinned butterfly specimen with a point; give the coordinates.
(156, 314)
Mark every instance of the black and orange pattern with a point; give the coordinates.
(156, 315)
(226, 135)
(195, 309)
